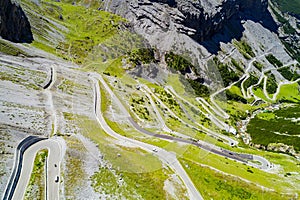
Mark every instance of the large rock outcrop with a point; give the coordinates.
(196, 29)
(14, 25)
(198, 19)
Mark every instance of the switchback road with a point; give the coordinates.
(165, 156)
(24, 162)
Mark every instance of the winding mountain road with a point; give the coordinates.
(26, 152)
(166, 157)
(24, 162)
(48, 92)
(246, 75)
(17, 167)
(278, 88)
(244, 158)
(161, 121)
(209, 115)
(202, 128)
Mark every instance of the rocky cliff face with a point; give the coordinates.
(209, 17)
(197, 19)
(14, 25)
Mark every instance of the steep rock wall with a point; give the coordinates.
(14, 25)
(198, 19)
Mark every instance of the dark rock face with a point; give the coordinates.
(14, 25)
(200, 19)
(171, 3)
(208, 17)
(207, 22)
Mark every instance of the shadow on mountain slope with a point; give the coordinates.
(234, 30)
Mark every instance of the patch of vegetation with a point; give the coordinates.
(279, 17)
(199, 88)
(216, 185)
(228, 76)
(85, 27)
(74, 175)
(105, 181)
(69, 116)
(36, 186)
(237, 65)
(274, 61)
(69, 87)
(271, 86)
(236, 110)
(288, 74)
(258, 65)
(289, 112)
(18, 78)
(141, 56)
(112, 68)
(130, 185)
(278, 129)
(266, 116)
(168, 99)
(252, 80)
(244, 48)
(9, 49)
(139, 106)
(258, 91)
(178, 63)
(89, 27)
(289, 93)
(148, 185)
(287, 27)
(233, 96)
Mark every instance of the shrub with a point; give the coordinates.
(244, 48)
(178, 63)
(142, 56)
(271, 84)
(228, 76)
(287, 74)
(235, 97)
(237, 65)
(274, 61)
(258, 65)
(199, 88)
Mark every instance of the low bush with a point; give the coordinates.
(274, 61)
(141, 56)
(178, 63)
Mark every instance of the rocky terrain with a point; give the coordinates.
(14, 25)
(288, 29)
(200, 30)
(200, 20)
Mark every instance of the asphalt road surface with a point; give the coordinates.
(166, 157)
(24, 162)
(244, 158)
